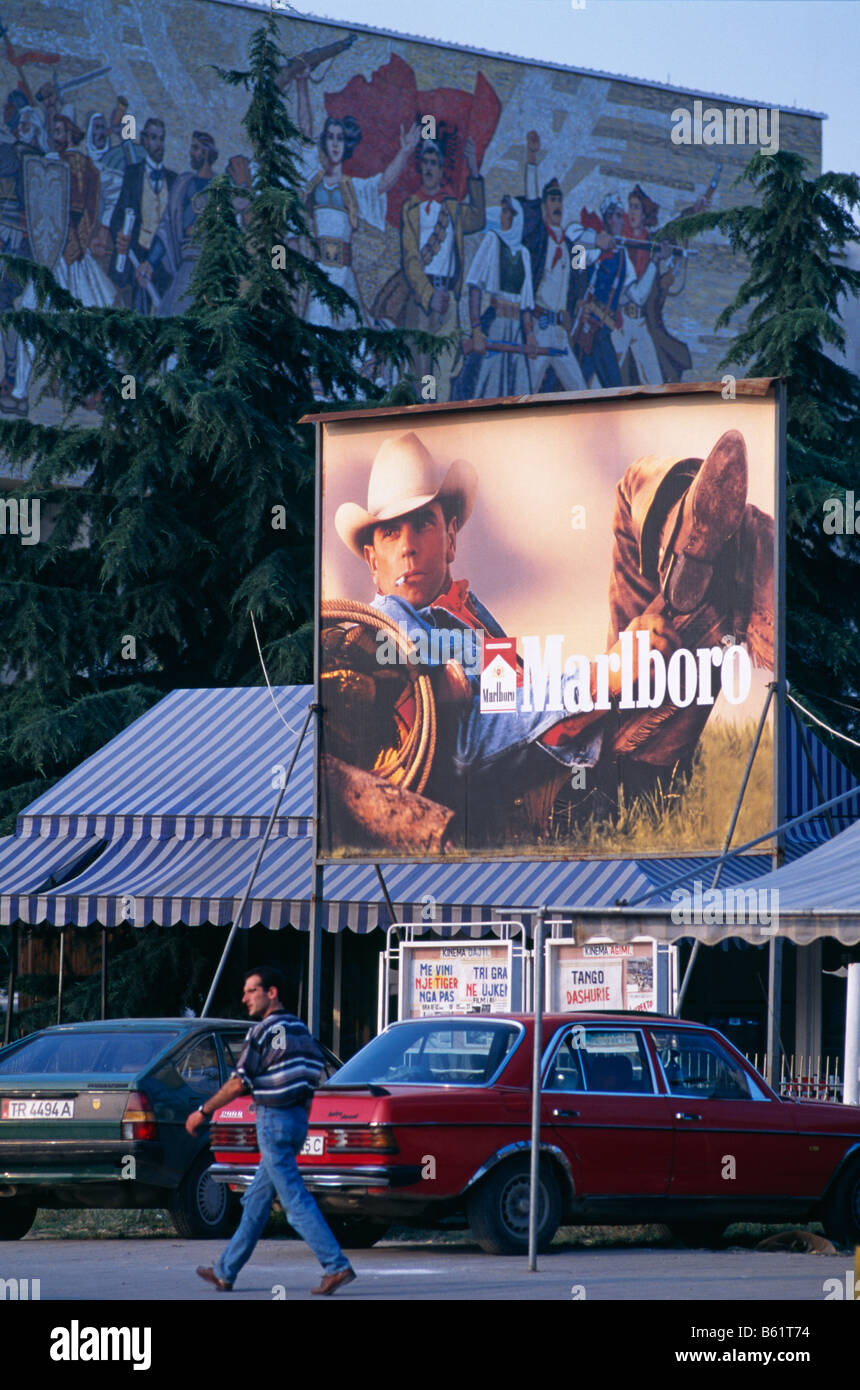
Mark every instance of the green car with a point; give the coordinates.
(93, 1115)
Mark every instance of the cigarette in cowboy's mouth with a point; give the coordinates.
(401, 580)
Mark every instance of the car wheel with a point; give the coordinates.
(203, 1209)
(707, 1235)
(498, 1209)
(841, 1215)
(16, 1218)
(356, 1233)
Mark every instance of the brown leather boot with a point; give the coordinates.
(699, 525)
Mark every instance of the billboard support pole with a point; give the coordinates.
(314, 1006)
(315, 955)
(536, 1061)
(780, 771)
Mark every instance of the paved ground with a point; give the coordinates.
(164, 1270)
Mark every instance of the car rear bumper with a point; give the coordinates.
(76, 1161)
(358, 1179)
(237, 1175)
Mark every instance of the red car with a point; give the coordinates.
(644, 1119)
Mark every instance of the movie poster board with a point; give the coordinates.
(638, 975)
(468, 977)
(547, 627)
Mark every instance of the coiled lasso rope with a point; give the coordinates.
(409, 765)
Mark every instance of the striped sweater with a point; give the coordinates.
(280, 1063)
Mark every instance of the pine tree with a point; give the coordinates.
(187, 499)
(794, 236)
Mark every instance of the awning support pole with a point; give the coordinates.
(537, 1053)
(60, 975)
(851, 1086)
(247, 893)
(104, 987)
(731, 830)
(13, 979)
(774, 1010)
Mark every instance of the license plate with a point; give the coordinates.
(37, 1110)
(314, 1145)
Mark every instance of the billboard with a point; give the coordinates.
(547, 626)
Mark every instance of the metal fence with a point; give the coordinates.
(805, 1078)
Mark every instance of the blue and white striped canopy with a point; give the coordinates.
(164, 823)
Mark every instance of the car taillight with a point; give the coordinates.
(242, 1138)
(138, 1118)
(362, 1139)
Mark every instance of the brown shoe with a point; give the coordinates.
(330, 1282)
(699, 525)
(206, 1272)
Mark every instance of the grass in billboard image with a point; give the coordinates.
(546, 629)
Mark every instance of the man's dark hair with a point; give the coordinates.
(270, 978)
(552, 189)
(207, 141)
(154, 121)
(444, 145)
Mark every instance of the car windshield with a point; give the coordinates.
(122, 1053)
(459, 1053)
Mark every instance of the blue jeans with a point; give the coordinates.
(280, 1134)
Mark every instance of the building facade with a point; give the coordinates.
(449, 189)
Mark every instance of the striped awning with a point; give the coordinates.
(141, 880)
(208, 760)
(802, 794)
(35, 862)
(164, 824)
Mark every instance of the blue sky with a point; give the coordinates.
(769, 52)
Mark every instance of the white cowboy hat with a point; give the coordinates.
(404, 477)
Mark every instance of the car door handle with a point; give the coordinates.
(685, 1115)
(567, 1114)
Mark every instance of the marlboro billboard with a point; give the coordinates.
(546, 627)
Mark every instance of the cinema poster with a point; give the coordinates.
(546, 626)
(638, 976)
(472, 977)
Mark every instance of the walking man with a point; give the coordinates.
(280, 1065)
